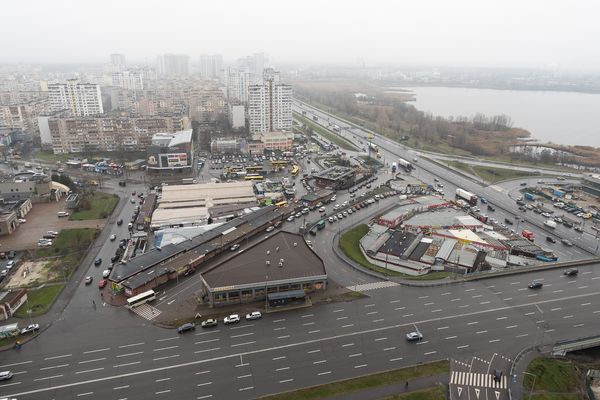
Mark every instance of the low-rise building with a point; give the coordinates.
(11, 301)
(170, 151)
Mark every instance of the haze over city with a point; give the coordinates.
(535, 34)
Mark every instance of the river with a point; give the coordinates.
(558, 117)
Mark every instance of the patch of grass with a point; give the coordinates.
(349, 242)
(39, 301)
(365, 382)
(332, 137)
(493, 175)
(68, 241)
(434, 393)
(97, 205)
(552, 377)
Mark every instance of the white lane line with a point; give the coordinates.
(511, 326)
(477, 296)
(373, 312)
(126, 364)
(450, 337)
(515, 283)
(469, 290)
(494, 340)
(313, 351)
(319, 362)
(307, 315)
(206, 350)
(464, 346)
(202, 372)
(507, 299)
(283, 319)
(207, 341)
(278, 358)
(480, 332)
(348, 344)
(438, 310)
(463, 306)
(163, 391)
(246, 388)
(378, 320)
(55, 357)
(381, 338)
(472, 323)
(485, 302)
(121, 387)
(309, 323)
(389, 348)
(324, 373)
(429, 353)
(315, 331)
(395, 301)
(14, 364)
(208, 332)
(422, 342)
(281, 328)
(286, 380)
(244, 376)
(582, 287)
(204, 384)
(529, 313)
(202, 397)
(490, 287)
(165, 358)
(131, 345)
(338, 310)
(399, 308)
(557, 291)
(423, 297)
(396, 359)
(166, 348)
(446, 293)
(578, 325)
(347, 326)
(522, 335)
(556, 309)
(94, 360)
(84, 394)
(567, 316)
(96, 351)
(442, 327)
(407, 315)
(549, 330)
(455, 300)
(89, 370)
(369, 305)
(167, 339)
(282, 369)
(283, 337)
(46, 377)
(585, 304)
(54, 366)
(162, 380)
(243, 344)
(241, 327)
(341, 318)
(532, 295)
(241, 335)
(501, 318)
(428, 304)
(360, 366)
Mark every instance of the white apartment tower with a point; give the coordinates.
(117, 61)
(270, 105)
(211, 65)
(237, 82)
(174, 65)
(81, 99)
(128, 79)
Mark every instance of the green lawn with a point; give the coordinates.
(490, 174)
(39, 301)
(97, 205)
(554, 379)
(435, 393)
(366, 382)
(349, 242)
(338, 140)
(68, 241)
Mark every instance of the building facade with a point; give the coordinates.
(170, 151)
(237, 116)
(128, 79)
(270, 105)
(211, 65)
(237, 81)
(81, 99)
(175, 65)
(117, 61)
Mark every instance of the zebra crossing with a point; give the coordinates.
(146, 311)
(475, 379)
(372, 286)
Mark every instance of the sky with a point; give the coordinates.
(463, 33)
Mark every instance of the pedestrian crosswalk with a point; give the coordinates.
(475, 379)
(372, 286)
(146, 311)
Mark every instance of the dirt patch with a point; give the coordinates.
(41, 219)
(29, 273)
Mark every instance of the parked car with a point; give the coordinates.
(550, 239)
(30, 328)
(5, 375)
(62, 214)
(578, 229)
(571, 272)
(120, 222)
(270, 229)
(102, 283)
(253, 315)
(414, 336)
(106, 273)
(232, 319)
(535, 285)
(234, 247)
(209, 323)
(186, 327)
(88, 280)
(113, 237)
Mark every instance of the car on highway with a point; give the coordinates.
(234, 247)
(535, 285)
(566, 242)
(88, 280)
(490, 207)
(30, 328)
(550, 239)
(113, 237)
(414, 336)
(209, 323)
(253, 315)
(571, 272)
(231, 319)
(186, 327)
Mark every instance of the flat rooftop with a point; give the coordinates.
(441, 218)
(250, 267)
(335, 173)
(210, 193)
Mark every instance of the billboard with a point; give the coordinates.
(175, 160)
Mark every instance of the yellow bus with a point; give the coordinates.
(254, 177)
(281, 203)
(254, 169)
(280, 163)
(295, 170)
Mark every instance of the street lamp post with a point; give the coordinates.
(533, 384)
(266, 292)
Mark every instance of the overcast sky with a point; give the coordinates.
(503, 33)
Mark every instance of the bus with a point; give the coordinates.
(141, 298)
(295, 170)
(281, 203)
(254, 177)
(254, 169)
(321, 224)
(279, 163)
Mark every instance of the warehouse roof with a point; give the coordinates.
(212, 193)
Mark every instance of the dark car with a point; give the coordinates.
(491, 208)
(535, 285)
(508, 221)
(414, 336)
(571, 272)
(120, 222)
(97, 261)
(186, 327)
(568, 224)
(550, 239)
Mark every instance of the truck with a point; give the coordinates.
(405, 164)
(550, 224)
(529, 196)
(467, 196)
(372, 146)
(528, 235)
(394, 167)
(336, 128)
(188, 181)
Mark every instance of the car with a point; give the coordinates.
(88, 280)
(349, 211)
(62, 214)
(253, 315)
(30, 328)
(234, 247)
(523, 183)
(483, 200)
(566, 242)
(270, 229)
(97, 261)
(578, 229)
(508, 221)
(106, 273)
(414, 336)
(567, 224)
(340, 216)
(5, 375)
(571, 272)
(535, 285)
(133, 193)
(113, 237)
(290, 218)
(330, 219)
(335, 218)
(550, 239)
(208, 323)
(436, 180)
(322, 209)
(102, 283)
(490, 207)
(298, 215)
(231, 319)
(22, 220)
(120, 222)
(186, 327)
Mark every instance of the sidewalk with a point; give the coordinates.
(381, 392)
(515, 382)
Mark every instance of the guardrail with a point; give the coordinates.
(544, 267)
(562, 348)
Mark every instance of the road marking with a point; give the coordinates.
(286, 380)
(429, 353)
(428, 304)
(89, 370)
(127, 364)
(407, 315)
(549, 330)
(309, 323)
(512, 326)
(373, 312)
(532, 295)
(507, 299)
(204, 351)
(477, 296)
(582, 287)
(307, 315)
(94, 360)
(497, 293)
(313, 351)
(556, 309)
(205, 396)
(501, 318)
(463, 346)
(166, 348)
(241, 335)
(455, 300)
(463, 306)
(283, 319)
(162, 380)
(480, 332)
(490, 287)
(167, 339)
(319, 362)
(557, 291)
(278, 358)
(360, 366)
(389, 348)
(340, 318)
(442, 327)
(55, 357)
(381, 338)
(469, 290)
(242, 344)
(423, 297)
(241, 327)
(338, 310)
(280, 328)
(515, 283)
(84, 394)
(244, 376)
(163, 391)
(207, 341)
(19, 363)
(121, 387)
(47, 377)
(55, 366)
(585, 304)
(451, 337)
(567, 316)
(355, 355)
(529, 313)
(395, 301)
(485, 302)
(472, 323)
(347, 326)
(578, 325)
(204, 384)
(396, 359)
(315, 331)
(131, 345)
(96, 351)
(202, 372)
(324, 373)
(438, 310)
(282, 369)
(166, 357)
(369, 305)
(246, 388)
(378, 320)
(446, 293)
(422, 342)
(399, 308)
(283, 337)
(348, 344)
(523, 335)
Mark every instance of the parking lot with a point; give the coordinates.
(42, 218)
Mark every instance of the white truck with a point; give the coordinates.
(550, 224)
(467, 196)
(405, 164)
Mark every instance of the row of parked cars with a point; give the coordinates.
(212, 322)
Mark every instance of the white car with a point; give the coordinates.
(322, 209)
(113, 237)
(106, 273)
(290, 218)
(62, 214)
(349, 211)
(30, 328)
(330, 219)
(336, 207)
(22, 220)
(270, 229)
(414, 336)
(253, 315)
(232, 319)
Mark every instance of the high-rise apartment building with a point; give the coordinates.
(117, 61)
(174, 65)
(81, 99)
(270, 105)
(211, 65)
(128, 79)
(237, 82)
